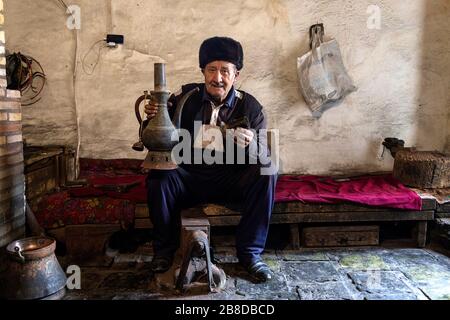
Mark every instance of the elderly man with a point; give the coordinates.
(216, 103)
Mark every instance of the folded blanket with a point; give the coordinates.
(61, 209)
(377, 191)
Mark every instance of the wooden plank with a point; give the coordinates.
(42, 164)
(141, 211)
(338, 236)
(215, 211)
(428, 204)
(143, 223)
(443, 214)
(41, 188)
(352, 216)
(192, 220)
(46, 154)
(444, 207)
(309, 217)
(296, 206)
(41, 175)
(42, 180)
(421, 234)
(295, 236)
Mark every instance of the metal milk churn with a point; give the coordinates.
(33, 272)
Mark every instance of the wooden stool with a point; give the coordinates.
(195, 248)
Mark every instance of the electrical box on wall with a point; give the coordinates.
(112, 40)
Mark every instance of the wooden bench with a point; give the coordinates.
(298, 214)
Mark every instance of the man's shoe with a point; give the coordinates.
(260, 271)
(160, 264)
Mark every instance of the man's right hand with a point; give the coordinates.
(151, 109)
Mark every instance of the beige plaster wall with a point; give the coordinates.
(402, 72)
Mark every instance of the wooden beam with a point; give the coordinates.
(310, 217)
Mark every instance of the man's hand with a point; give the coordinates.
(243, 137)
(151, 109)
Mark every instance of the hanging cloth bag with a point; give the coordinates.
(323, 78)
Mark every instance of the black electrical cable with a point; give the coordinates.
(64, 4)
(67, 8)
(96, 62)
(27, 75)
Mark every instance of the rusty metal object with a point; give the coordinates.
(159, 135)
(393, 145)
(33, 271)
(196, 256)
(197, 263)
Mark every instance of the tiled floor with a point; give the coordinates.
(328, 274)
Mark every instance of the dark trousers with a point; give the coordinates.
(171, 191)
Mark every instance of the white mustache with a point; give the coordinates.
(217, 85)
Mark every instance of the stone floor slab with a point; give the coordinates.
(409, 256)
(441, 292)
(385, 285)
(309, 271)
(362, 260)
(127, 280)
(303, 256)
(275, 289)
(441, 258)
(425, 275)
(330, 290)
(91, 280)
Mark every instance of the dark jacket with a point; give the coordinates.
(196, 109)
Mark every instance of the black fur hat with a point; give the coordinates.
(221, 48)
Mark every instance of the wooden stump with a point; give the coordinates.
(422, 169)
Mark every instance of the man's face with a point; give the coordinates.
(219, 78)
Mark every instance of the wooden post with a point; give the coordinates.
(295, 236)
(421, 233)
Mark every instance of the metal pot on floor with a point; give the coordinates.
(33, 271)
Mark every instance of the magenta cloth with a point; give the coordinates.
(377, 190)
